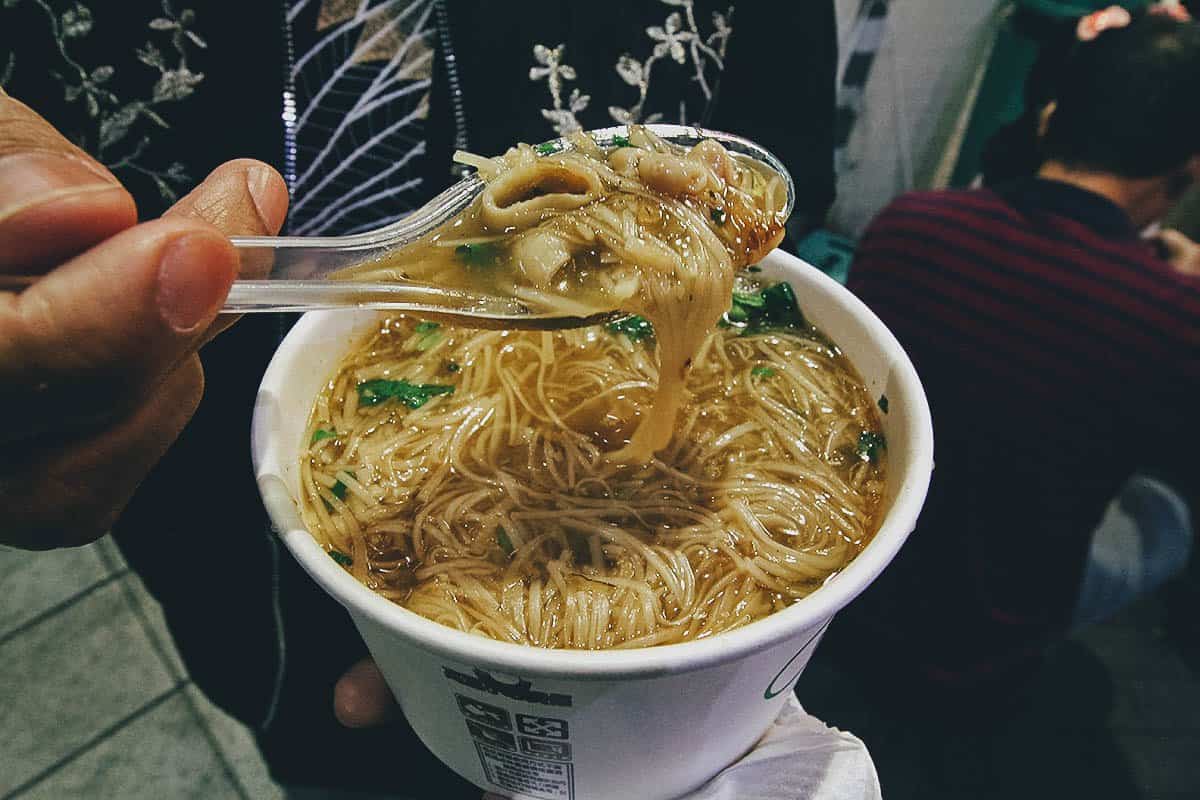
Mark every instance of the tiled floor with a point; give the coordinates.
(94, 702)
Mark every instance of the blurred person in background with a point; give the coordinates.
(352, 111)
(1059, 352)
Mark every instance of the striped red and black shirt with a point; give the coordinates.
(1060, 353)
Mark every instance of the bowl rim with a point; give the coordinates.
(806, 614)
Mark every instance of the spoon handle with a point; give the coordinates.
(314, 258)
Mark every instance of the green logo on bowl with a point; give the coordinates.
(790, 672)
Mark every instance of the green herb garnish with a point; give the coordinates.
(413, 395)
(547, 148)
(635, 327)
(754, 269)
(452, 366)
(328, 505)
(718, 215)
(482, 254)
(621, 141)
(505, 543)
(870, 444)
(771, 308)
(883, 403)
(321, 433)
(749, 300)
(339, 488)
(429, 335)
(763, 372)
(341, 558)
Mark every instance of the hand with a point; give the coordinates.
(1172, 9)
(361, 698)
(1182, 253)
(98, 365)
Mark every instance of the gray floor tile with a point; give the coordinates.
(161, 754)
(237, 745)
(110, 554)
(31, 583)
(68, 678)
(147, 609)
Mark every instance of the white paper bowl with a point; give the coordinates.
(577, 725)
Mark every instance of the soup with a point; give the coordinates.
(468, 475)
(646, 227)
(660, 479)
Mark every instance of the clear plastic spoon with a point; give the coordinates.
(300, 266)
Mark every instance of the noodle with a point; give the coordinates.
(570, 489)
(494, 509)
(649, 228)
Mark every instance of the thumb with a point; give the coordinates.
(87, 341)
(242, 197)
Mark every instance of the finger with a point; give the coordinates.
(92, 479)
(87, 341)
(1176, 244)
(361, 698)
(55, 200)
(239, 198)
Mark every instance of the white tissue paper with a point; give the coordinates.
(798, 758)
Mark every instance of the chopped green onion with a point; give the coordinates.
(328, 505)
(718, 215)
(341, 558)
(452, 366)
(482, 254)
(547, 148)
(752, 300)
(769, 309)
(763, 372)
(429, 335)
(505, 543)
(754, 268)
(621, 141)
(883, 403)
(635, 327)
(870, 444)
(413, 395)
(321, 433)
(339, 488)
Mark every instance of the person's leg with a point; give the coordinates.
(1144, 540)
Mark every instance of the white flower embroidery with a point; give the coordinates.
(555, 72)
(678, 37)
(112, 122)
(682, 44)
(670, 38)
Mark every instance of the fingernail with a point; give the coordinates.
(259, 182)
(30, 179)
(190, 292)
